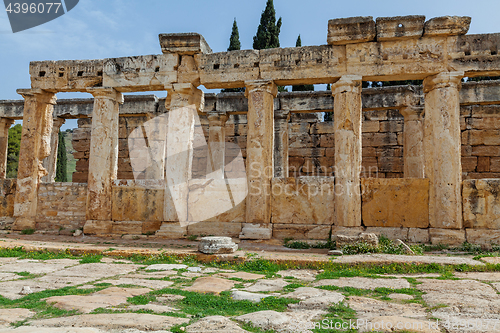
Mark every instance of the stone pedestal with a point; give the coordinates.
(183, 102)
(5, 124)
(442, 148)
(259, 163)
(103, 160)
(347, 127)
(281, 119)
(35, 146)
(50, 162)
(413, 141)
(216, 145)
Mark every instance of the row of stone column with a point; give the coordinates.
(431, 150)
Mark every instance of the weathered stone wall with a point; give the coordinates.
(61, 206)
(7, 194)
(480, 126)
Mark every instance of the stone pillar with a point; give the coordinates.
(347, 127)
(35, 146)
(216, 144)
(5, 124)
(259, 162)
(413, 141)
(281, 118)
(103, 159)
(50, 162)
(442, 148)
(184, 100)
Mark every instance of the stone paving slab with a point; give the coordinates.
(154, 284)
(215, 324)
(364, 283)
(380, 258)
(481, 276)
(465, 296)
(8, 316)
(267, 285)
(211, 285)
(367, 308)
(116, 321)
(300, 274)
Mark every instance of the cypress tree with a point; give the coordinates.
(268, 32)
(61, 172)
(303, 87)
(234, 45)
(234, 40)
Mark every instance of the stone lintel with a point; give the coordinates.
(351, 30)
(267, 86)
(447, 26)
(443, 80)
(282, 115)
(400, 27)
(184, 43)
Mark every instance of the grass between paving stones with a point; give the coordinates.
(203, 305)
(91, 258)
(35, 303)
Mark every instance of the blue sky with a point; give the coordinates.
(113, 28)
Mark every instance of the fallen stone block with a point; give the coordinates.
(217, 245)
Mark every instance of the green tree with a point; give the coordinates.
(234, 40)
(14, 145)
(234, 45)
(268, 32)
(303, 87)
(62, 160)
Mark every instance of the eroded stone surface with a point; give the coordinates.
(118, 321)
(267, 285)
(242, 275)
(281, 321)
(365, 283)
(300, 274)
(215, 324)
(312, 298)
(8, 316)
(239, 295)
(210, 285)
(108, 297)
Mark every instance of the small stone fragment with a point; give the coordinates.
(217, 245)
(407, 249)
(26, 291)
(336, 253)
(77, 233)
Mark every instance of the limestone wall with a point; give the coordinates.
(61, 206)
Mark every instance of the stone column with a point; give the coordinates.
(183, 102)
(35, 146)
(281, 118)
(259, 162)
(50, 162)
(5, 124)
(347, 127)
(442, 148)
(413, 141)
(103, 159)
(216, 144)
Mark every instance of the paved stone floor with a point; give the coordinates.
(95, 293)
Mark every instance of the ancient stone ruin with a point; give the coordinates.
(418, 163)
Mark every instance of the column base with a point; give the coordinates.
(256, 231)
(172, 230)
(23, 223)
(96, 227)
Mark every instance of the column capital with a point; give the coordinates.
(443, 80)
(7, 121)
(185, 94)
(267, 86)
(217, 118)
(109, 93)
(411, 112)
(282, 115)
(347, 83)
(44, 95)
(58, 122)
